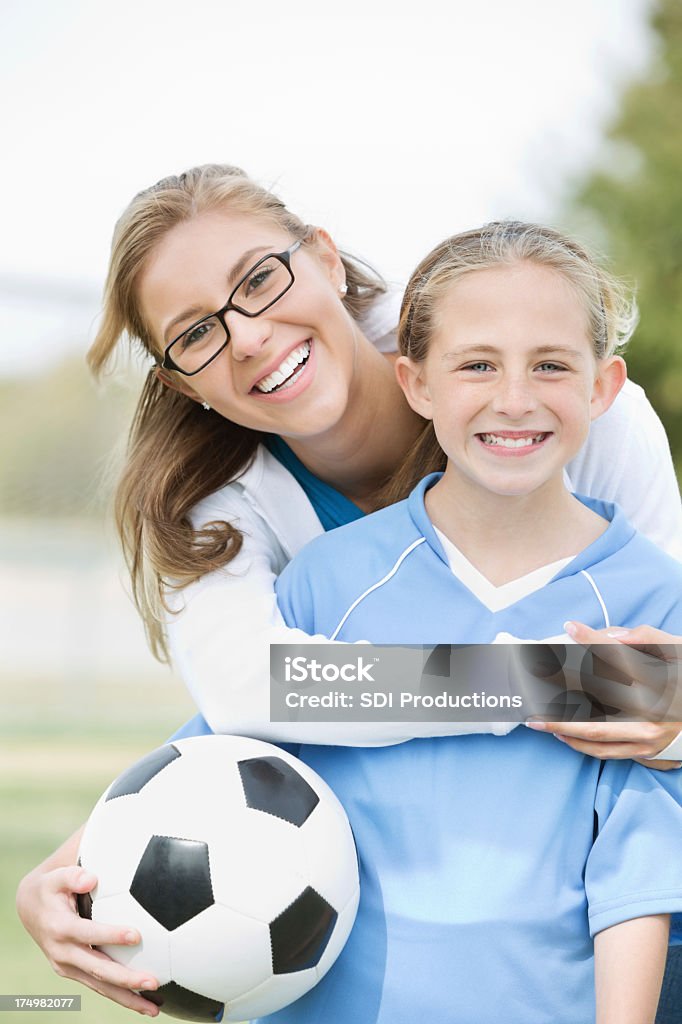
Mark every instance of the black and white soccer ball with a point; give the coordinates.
(236, 863)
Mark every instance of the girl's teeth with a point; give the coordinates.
(512, 442)
(282, 375)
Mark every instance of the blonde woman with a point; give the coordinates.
(262, 423)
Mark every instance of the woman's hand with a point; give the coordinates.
(47, 908)
(636, 740)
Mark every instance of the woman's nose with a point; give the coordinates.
(247, 334)
(514, 397)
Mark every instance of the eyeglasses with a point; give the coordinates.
(261, 287)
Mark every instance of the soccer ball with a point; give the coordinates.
(236, 863)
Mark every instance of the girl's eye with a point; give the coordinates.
(478, 367)
(550, 367)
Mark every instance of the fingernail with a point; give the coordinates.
(571, 628)
(132, 938)
(615, 633)
(148, 984)
(562, 739)
(535, 725)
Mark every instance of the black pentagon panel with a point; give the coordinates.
(273, 786)
(300, 934)
(139, 774)
(185, 1004)
(83, 900)
(84, 904)
(173, 880)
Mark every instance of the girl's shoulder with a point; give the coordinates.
(640, 584)
(352, 557)
(336, 570)
(375, 539)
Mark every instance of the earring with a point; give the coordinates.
(206, 406)
(343, 288)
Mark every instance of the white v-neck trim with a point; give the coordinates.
(496, 598)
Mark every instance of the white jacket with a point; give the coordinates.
(220, 635)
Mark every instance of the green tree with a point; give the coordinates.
(635, 197)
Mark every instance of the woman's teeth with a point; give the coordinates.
(512, 442)
(286, 373)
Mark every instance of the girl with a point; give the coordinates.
(483, 879)
(214, 503)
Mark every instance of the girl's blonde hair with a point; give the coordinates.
(177, 452)
(610, 307)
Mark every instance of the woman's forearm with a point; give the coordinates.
(629, 961)
(220, 646)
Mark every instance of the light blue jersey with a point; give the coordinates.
(621, 579)
(487, 863)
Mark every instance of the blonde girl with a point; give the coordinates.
(492, 867)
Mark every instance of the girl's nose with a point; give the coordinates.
(514, 397)
(247, 334)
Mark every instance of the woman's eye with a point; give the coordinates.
(196, 335)
(258, 279)
(550, 367)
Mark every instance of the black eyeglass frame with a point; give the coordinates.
(284, 257)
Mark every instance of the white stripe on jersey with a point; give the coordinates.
(594, 586)
(375, 586)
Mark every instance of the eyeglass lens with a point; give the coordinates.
(262, 286)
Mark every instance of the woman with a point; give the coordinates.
(209, 514)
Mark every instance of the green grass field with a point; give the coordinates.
(53, 767)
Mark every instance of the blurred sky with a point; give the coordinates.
(391, 124)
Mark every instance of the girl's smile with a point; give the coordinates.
(513, 443)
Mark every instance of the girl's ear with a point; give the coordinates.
(410, 376)
(611, 375)
(176, 382)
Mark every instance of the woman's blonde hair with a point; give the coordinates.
(609, 306)
(177, 452)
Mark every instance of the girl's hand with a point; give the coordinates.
(636, 740)
(47, 908)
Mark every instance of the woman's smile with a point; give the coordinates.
(290, 375)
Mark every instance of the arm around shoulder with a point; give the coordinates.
(220, 633)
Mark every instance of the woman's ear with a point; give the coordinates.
(328, 254)
(410, 376)
(611, 375)
(176, 382)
